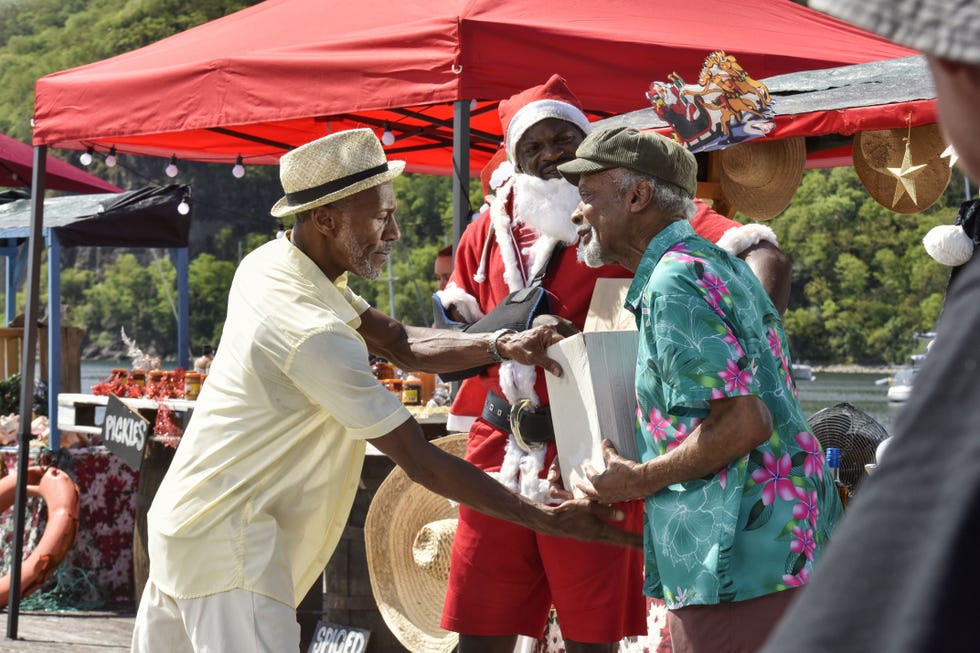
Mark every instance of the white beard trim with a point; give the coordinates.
(465, 303)
(547, 206)
(738, 239)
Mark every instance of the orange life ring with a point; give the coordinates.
(60, 494)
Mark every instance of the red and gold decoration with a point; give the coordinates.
(725, 107)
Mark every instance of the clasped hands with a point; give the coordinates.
(603, 489)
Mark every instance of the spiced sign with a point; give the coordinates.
(334, 638)
(124, 432)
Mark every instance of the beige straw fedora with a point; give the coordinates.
(759, 178)
(408, 537)
(331, 168)
(874, 152)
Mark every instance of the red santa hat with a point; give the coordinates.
(550, 100)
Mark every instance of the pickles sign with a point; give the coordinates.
(124, 432)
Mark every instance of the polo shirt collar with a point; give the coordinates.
(334, 292)
(659, 244)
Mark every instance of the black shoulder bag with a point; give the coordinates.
(515, 311)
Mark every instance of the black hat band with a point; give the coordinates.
(312, 194)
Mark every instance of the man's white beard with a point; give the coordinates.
(546, 205)
(591, 253)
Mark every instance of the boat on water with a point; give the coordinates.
(801, 372)
(900, 383)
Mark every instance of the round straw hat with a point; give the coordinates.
(759, 178)
(408, 538)
(332, 168)
(876, 151)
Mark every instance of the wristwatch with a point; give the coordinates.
(492, 345)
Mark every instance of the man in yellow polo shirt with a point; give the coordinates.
(260, 488)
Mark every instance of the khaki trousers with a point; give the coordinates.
(236, 620)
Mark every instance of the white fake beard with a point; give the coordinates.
(546, 205)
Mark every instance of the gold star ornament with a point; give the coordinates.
(905, 175)
(902, 168)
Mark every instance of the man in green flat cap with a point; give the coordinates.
(739, 503)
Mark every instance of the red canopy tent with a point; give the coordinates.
(17, 161)
(268, 78)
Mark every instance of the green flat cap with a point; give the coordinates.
(648, 153)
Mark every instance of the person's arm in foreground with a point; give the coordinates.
(441, 350)
(773, 269)
(735, 426)
(457, 479)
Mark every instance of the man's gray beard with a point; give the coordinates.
(591, 253)
(546, 205)
(361, 262)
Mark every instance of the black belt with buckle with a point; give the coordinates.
(530, 426)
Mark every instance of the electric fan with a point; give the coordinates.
(854, 432)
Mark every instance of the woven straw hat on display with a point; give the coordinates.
(332, 168)
(408, 537)
(879, 157)
(759, 178)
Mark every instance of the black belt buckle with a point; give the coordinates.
(517, 411)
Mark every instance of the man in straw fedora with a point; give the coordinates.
(900, 576)
(526, 228)
(260, 488)
(738, 502)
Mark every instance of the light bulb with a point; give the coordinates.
(473, 104)
(86, 157)
(183, 208)
(238, 171)
(387, 138)
(110, 158)
(171, 169)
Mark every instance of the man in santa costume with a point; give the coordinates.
(505, 578)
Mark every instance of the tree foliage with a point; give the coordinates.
(862, 283)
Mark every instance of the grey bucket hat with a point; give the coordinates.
(943, 28)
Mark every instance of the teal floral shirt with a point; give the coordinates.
(708, 331)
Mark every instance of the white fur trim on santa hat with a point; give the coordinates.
(948, 244)
(738, 239)
(534, 112)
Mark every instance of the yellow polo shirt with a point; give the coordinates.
(262, 483)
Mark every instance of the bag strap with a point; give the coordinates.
(543, 272)
(522, 295)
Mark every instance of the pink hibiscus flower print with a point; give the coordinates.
(807, 508)
(799, 580)
(736, 380)
(682, 254)
(774, 476)
(679, 434)
(731, 339)
(813, 464)
(774, 344)
(657, 426)
(714, 286)
(803, 542)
